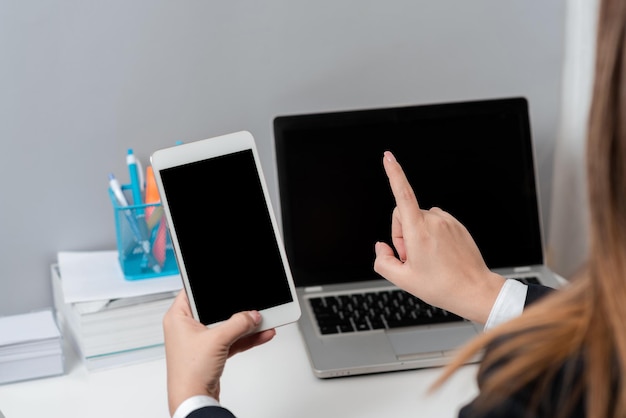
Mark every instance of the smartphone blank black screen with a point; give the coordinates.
(226, 237)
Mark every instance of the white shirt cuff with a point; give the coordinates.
(509, 303)
(191, 404)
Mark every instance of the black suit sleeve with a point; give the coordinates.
(211, 412)
(536, 292)
(516, 406)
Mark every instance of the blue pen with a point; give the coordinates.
(132, 222)
(135, 183)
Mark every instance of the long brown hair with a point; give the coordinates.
(586, 319)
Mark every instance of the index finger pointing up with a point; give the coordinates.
(402, 191)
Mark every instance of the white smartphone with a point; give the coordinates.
(224, 232)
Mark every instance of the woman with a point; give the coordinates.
(565, 356)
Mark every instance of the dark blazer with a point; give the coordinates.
(211, 412)
(536, 292)
(516, 407)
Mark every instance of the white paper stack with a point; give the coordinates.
(110, 321)
(30, 347)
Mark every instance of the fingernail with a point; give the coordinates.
(377, 248)
(256, 316)
(389, 156)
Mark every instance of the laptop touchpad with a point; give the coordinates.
(430, 341)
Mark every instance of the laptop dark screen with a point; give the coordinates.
(472, 159)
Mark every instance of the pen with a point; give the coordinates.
(132, 221)
(117, 191)
(158, 232)
(136, 184)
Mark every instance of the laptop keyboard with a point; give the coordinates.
(386, 309)
(528, 280)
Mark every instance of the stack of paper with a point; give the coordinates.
(111, 321)
(30, 347)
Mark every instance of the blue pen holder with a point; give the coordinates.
(143, 241)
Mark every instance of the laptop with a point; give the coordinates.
(473, 159)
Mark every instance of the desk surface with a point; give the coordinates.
(270, 381)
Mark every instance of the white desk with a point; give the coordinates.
(272, 381)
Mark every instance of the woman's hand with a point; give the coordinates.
(439, 261)
(196, 355)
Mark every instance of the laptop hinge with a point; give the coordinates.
(521, 269)
(312, 289)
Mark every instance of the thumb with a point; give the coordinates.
(237, 326)
(386, 264)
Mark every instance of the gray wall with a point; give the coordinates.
(82, 81)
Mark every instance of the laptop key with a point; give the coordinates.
(528, 280)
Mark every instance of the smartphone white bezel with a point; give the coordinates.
(206, 149)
